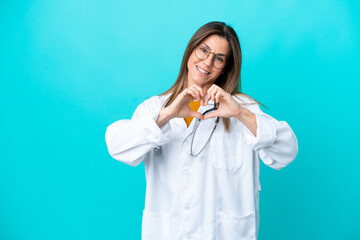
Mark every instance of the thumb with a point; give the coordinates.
(196, 115)
(211, 115)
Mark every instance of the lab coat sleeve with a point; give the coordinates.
(275, 142)
(130, 140)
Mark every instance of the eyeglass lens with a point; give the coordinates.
(203, 52)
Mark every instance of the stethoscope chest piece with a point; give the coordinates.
(158, 149)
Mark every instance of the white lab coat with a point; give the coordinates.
(214, 196)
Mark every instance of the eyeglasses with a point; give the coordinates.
(197, 123)
(202, 52)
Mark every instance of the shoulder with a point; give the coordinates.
(157, 100)
(154, 102)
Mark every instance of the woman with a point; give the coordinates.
(203, 174)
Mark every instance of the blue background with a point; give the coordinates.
(69, 69)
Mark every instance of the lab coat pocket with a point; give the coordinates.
(155, 226)
(226, 152)
(230, 227)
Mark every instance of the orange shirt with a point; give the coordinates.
(194, 106)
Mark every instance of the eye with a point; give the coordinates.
(204, 50)
(219, 59)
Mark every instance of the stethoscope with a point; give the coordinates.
(196, 125)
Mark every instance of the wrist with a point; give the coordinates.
(242, 114)
(248, 119)
(164, 116)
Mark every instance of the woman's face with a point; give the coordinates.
(202, 72)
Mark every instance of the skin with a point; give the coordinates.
(201, 88)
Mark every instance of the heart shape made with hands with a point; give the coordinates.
(194, 107)
(226, 106)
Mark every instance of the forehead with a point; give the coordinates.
(217, 44)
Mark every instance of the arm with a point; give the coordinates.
(274, 140)
(129, 140)
(248, 119)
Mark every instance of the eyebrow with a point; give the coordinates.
(218, 54)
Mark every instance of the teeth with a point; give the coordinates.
(202, 70)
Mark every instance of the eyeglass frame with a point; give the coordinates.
(226, 60)
(196, 125)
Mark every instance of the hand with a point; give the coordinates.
(227, 106)
(180, 106)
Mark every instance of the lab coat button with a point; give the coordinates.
(187, 237)
(186, 172)
(187, 205)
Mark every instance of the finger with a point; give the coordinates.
(196, 93)
(218, 96)
(212, 93)
(197, 90)
(212, 88)
(208, 97)
(211, 114)
(201, 93)
(189, 92)
(196, 115)
(206, 100)
(200, 90)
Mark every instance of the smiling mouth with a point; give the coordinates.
(202, 70)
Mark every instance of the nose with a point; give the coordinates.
(209, 60)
